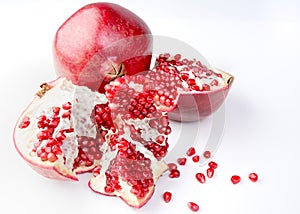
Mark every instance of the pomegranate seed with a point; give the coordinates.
(210, 172)
(60, 136)
(67, 106)
(51, 157)
(172, 166)
(43, 156)
(201, 178)
(167, 197)
(193, 206)
(253, 177)
(196, 158)
(214, 83)
(207, 154)
(205, 87)
(25, 123)
(213, 164)
(54, 122)
(55, 110)
(235, 179)
(191, 151)
(43, 135)
(67, 114)
(181, 161)
(219, 75)
(175, 173)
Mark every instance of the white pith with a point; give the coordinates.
(82, 100)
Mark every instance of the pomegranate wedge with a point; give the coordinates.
(197, 91)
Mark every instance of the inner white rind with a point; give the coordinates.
(82, 100)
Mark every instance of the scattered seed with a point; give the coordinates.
(207, 154)
(167, 196)
(193, 206)
(253, 177)
(235, 179)
(196, 158)
(213, 164)
(172, 166)
(191, 151)
(175, 173)
(201, 178)
(181, 161)
(210, 172)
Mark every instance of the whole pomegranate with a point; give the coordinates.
(68, 129)
(100, 42)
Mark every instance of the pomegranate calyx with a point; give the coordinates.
(117, 72)
(44, 88)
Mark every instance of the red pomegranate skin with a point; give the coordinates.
(193, 106)
(90, 46)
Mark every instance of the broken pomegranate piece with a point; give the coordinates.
(135, 151)
(69, 129)
(56, 134)
(194, 89)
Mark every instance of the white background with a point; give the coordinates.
(257, 41)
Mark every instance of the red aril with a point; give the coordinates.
(167, 196)
(191, 151)
(210, 172)
(100, 42)
(193, 206)
(172, 166)
(207, 154)
(196, 158)
(235, 179)
(201, 178)
(213, 164)
(175, 173)
(181, 161)
(253, 177)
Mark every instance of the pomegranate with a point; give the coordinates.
(100, 42)
(69, 129)
(196, 91)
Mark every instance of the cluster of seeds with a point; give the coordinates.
(192, 74)
(201, 177)
(132, 167)
(52, 146)
(132, 97)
